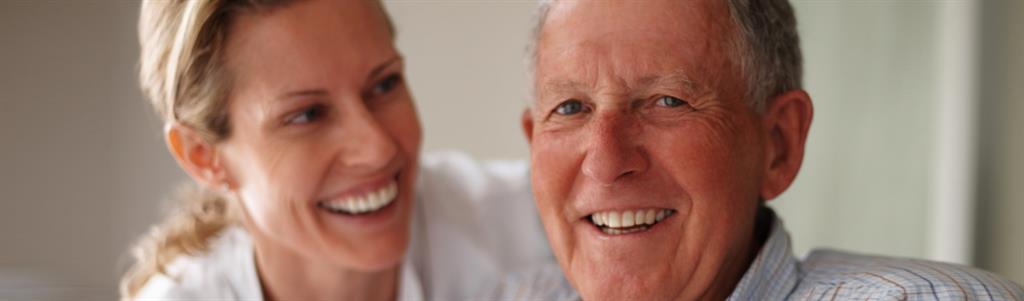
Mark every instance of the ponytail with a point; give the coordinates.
(201, 215)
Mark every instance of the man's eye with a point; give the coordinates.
(569, 107)
(386, 85)
(671, 102)
(307, 115)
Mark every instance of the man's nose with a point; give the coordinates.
(613, 148)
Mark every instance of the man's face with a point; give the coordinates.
(640, 119)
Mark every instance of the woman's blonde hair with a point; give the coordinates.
(182, 73)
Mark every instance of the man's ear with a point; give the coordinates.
(197, 156)
(787, 120)
(527, 123)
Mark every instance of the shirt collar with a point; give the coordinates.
(409, 288)
(773, 275)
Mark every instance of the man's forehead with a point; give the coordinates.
(673, 77)
(638, 40)
(636, 16)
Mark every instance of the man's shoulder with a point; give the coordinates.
(842, 275)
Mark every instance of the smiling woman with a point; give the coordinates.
(282, 160)
(296, 122)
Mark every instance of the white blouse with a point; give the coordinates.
(472, 224)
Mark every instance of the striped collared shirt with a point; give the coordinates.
(824, 275)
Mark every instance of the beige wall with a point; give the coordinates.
(81, 165)
(465, 66)
(83, 170)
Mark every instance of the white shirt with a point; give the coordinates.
(228, 272)
(472, 223)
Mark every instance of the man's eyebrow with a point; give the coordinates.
(562, 86)
(673, 78)
(317, 92)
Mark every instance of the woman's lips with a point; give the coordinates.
(365, 203)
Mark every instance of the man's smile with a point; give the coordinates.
(628, 221)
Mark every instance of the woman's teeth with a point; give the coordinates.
(366, 203)
(622, 222)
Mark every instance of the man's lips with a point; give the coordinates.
(617, 222)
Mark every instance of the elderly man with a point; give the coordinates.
(659, 130)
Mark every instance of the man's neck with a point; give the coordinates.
(734, 271)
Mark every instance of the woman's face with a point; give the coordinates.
(324, 135)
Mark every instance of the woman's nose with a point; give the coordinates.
(366, 143)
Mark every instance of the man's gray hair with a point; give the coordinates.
(766, 46)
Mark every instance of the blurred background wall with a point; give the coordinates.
(1000, 197)
(83, 170)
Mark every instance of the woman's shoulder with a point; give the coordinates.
(225, 271)
(455, 185)
(475, 221)
(462, 194)
(446, 173)
(164, 287)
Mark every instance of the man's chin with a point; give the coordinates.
(625, 276)
(624, 286)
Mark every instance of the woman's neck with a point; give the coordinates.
(287, 275)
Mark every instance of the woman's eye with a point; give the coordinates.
(307, 115)
(387, 84)
(671, 102)
(569, 107)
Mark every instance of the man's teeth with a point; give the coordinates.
(368, 202)
(617, 222)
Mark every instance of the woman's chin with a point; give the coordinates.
(371, 260)
(368, 252)
(366, 241)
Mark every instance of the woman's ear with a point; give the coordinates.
(197, 156)
(787, 120)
